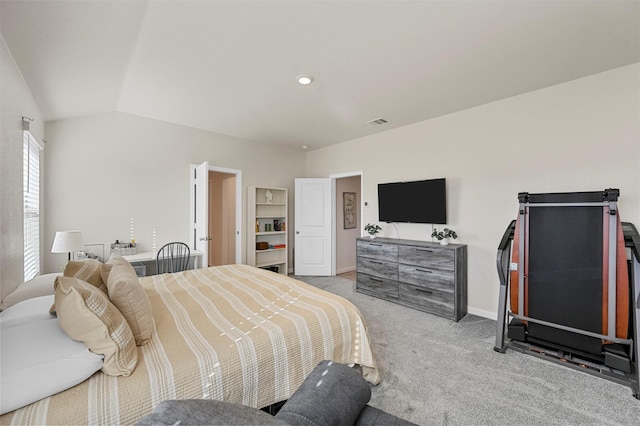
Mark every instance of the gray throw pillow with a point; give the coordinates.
(206, 412)
(333, 394)
(371, 416)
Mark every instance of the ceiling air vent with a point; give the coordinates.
(378, 121)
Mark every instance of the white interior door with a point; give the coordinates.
(313, 207)
(200, 211)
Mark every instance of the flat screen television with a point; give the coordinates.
(423, 201)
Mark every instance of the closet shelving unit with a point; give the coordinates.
(266, 208)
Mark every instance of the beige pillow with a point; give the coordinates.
(88, 270)
(42, 285)
(129, 297)
(87, 315)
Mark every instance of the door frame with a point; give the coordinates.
(334, 236)
(238, 174)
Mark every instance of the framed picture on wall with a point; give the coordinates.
(349, 210)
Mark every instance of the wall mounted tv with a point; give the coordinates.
(423, 201)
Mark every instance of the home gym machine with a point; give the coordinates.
(569, 274)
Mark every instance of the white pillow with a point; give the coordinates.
(37, 360)
(42, 285)
(31, 310)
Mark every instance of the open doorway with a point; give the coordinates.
(317, 194)
(216, 225)
(222, 218)
(348, 222)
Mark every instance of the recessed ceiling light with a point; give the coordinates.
(305, 79)
(305, 147)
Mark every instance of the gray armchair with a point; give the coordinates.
(333, 394)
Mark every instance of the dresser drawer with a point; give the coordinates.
(426, 277)
(379, 287)
(436, 302)
(433, 257)
(417, 274)
(377, 250)
(377, 268)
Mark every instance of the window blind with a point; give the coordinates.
(31, 191)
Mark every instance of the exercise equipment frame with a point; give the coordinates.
(614, 361)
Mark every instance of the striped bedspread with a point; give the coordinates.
(233, 333)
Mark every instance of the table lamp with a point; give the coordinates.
(67, 242)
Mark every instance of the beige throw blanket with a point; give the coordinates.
(233, 333)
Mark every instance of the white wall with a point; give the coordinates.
(346, 238)
(103, 170)
(16, 101)
(583, 135)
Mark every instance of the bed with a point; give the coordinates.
(233, 333)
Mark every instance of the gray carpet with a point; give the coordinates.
(438, 372)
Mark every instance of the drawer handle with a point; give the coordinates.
(423, 291)
(377, 263)
(376, 280)
(375, 245)
(424, 270)
(427, 250)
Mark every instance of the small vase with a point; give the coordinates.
(372, 236)
(444, 241)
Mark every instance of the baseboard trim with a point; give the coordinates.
(482, 313)
(345, 270)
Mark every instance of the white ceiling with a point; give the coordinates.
(230, 66)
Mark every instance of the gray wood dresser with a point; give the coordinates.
(418, 274)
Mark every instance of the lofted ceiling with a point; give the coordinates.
(230, 66)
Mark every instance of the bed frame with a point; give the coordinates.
(571, 272)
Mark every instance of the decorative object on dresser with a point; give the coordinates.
(444, 235)
(419, 274)
(372, 230)
(268, 218)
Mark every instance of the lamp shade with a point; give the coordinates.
(67, 241)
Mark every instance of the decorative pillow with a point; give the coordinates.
(27, 311)
(208, 412)
(88, 270)
(87, 315)
(130, 298)
(39, 360)
(329, 384)
(41, 285)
